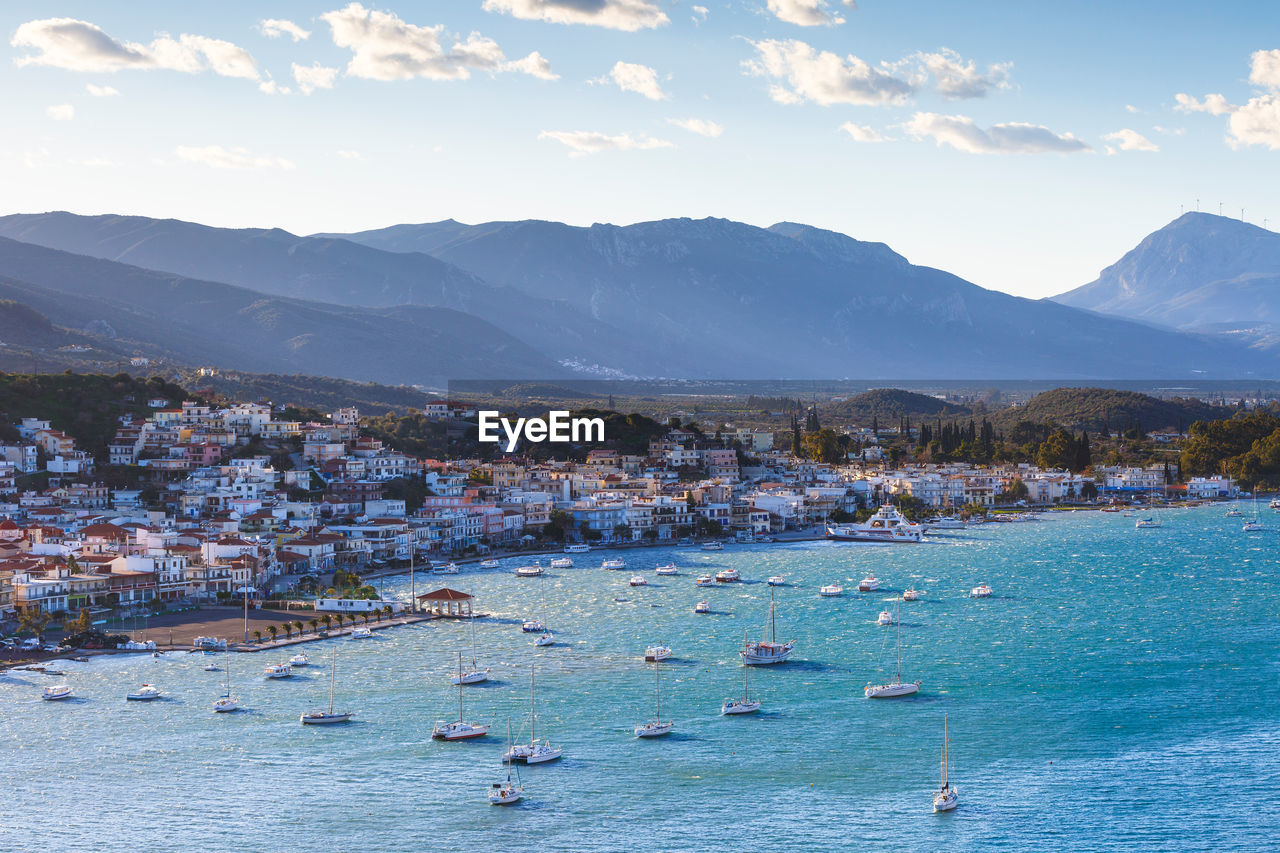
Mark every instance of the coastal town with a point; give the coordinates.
(218, 525)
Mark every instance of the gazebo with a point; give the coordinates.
(446, 603)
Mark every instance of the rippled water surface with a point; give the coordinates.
(1118, 692)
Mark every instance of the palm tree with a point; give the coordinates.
(287, 627)
(338, 618)
(315, 624)
(327, 619)
(297, 623)
(273, 630)
(387, 611)
(257, 636)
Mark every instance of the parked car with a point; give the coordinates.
(30, 644)
(9, 643)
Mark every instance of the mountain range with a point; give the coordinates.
(534, 299)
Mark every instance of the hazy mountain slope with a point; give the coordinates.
(1198, 270)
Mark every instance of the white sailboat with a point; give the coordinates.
(897, 687)
(459, 730)
(947, 797)
(533, 752)
(226, 702)
(475, 674)
(1253, 525)
(745, 705)
(508, 792)
(764, 652)
(656, 728)
(321, 718)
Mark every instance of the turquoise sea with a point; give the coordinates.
(1120, 691)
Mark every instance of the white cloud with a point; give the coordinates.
(699, 14)
(1131, 140)
(229, 158)
(640, 79)
(1130, 108)
(312, 77)
(957, 78)
(77, 45)
(101, 91)
(1256, 123)
(591, 142)
(1170, 131)
(349, 155)
(1214, 104)
(961, 133)
(61, 112)
(276, 27)
(271, 87)
(1264, 68)
(702, 127)
(628, 15)
(805, 13)
(805, 74)
(384, 47)
(862, 133)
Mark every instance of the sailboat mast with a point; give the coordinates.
(459, 686)
(533, 716)
(657, 691)
(474, 665)
(333, 672)
(773, 618)
(944, 753)
(899, 626)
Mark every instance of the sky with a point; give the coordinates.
(1022, 146)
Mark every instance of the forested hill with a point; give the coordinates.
(887, 406)
(1098, 409)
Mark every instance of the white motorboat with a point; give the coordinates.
(324, 718)
(145, 693)
(657, 653)
(728, 576)
(638, 580)
(533, 752)
(705, 580)
(362, 633)
(533, 626)
(832, 590)
(745, 705)
(533, 571)
(562, 563)
(508, 792)
(770, 651)
(776, 580)
(615, 564)
(580, 548)
(1146, 523)
(300, 659)
(459, 729)
(668, 569)
(870, 583)
(55, 692)
(911, 595)
(1234, 513)
(886, 525)
(655, 727)
(278, 670)
(546, 639)
(948, 522)
(489, 564)
(885, 618)
(440, 568)
(897, 687)
(702, 607)
(712, 546)
(211, 667)
(947, 797)
(475, 674)
(226, 702)
(980, 591)
(1275, 503)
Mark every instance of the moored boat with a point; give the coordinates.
(145, 693)
(980, 591)
(897, 687)
(458, 729)
(323, 718)
(776, 580)
(657, 653)
(278, 670)
(705, 580)
(614, 564)
(55, 692)
(766, 652)
(702, 607)
(870, 583)
(947, 797)
(489, 564)
(638, 580)
(655, 727)
(529, 571)
(562, 563)
(832, 590)
(728, 576)
(886, 525)
(668, 569)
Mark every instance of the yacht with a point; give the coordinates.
(145, 693)
(765, 652)
(947, 797)
(980, 591)
(488, 564)
(870, 583)
(533, 752)
(300, 659)
(1146, 523)
(702, 607)
(911, 595)
(533, 571)
(656, 727)
(885, 618)
(638, 580)
(745, 705)
(833, 590)
(55, 692)
(278, 670)
(545, 639)
(705, 580)
(226, 702)
(322, 718)
(458, 730)
(362, 633)
(887, 525)
(657, 653)
(580, 548)
(897, 687)
(712, 546)
(948, 522)
(1235, 513)
(449, 568)
(728, 576)
(210, 667)
(508, 792)
(776, 580)
(613, 564)
(668, 569)
(1275, 503)
(475, 674)
(533, 626)
(562, 563)
(1254, 526)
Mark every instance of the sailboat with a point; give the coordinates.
(321, 718)
(475, 675)
(947, 797)
(508, 792)
(656, 728)
(897, 687)
(745, 705)
(1253, 526)
(762, 652)
(533, 752)
(226, 702)
(459, 730)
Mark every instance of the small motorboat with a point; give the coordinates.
(980, 591)
(712, 546)
(278, 670)
(657, 653)
(776, 580)
(911, 595)
(613, 565)
(638, 580)
(833, 590)
(362, 633)
(300, 659)
(55, 692)
(870, 583)
(145, 693)
(533, 571)
(728, 576)
(545, 639)
(211, 667)
(533, 626)
(705, 580)
(562, 563)
(702, 607)
(488, 564)
(668, 569)
(439, 568)
(885, 618)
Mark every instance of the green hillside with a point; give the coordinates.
(1096, 409)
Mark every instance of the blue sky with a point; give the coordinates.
(1023, 146)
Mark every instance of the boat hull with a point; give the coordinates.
(471, 677)
(652, 730)
(759, 654)
(730, 709)
(223, 706)
(890, 691)
(945, 803)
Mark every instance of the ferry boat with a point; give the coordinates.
(529, 571)
(980, 591)
(657, 653)
(145, 693)
(614, 564)
(488, 564)
(55, 692)
(562, 563)
(776, 580)
(765, 652)
(638, 580)
(728, 576)
(702, 607)
(887, 525)
(705, 580)
(833, 590)
(712, 546)
(668, 569)
(278, 670)
(300, 659)
(870, 583)
(580, 548)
